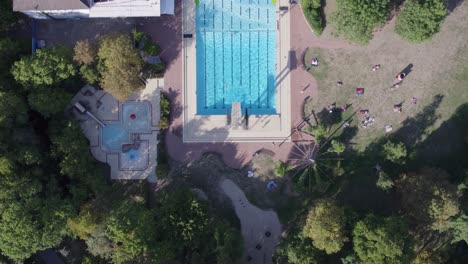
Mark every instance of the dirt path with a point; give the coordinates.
(254, 224)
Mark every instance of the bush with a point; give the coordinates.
(151, 48)
(165, 112)
(419, 20)
(313, 13)
(137, 36)
(89, 74)
(356, 19)
(154, 70)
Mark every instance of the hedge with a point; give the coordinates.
(313, 13)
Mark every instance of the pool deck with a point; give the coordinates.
(215, 128)
(167, 31)
(106, 108)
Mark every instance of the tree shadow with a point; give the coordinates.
(187, 152)
(447, 147)
(453, 4)
(413, 129)
(330, 119)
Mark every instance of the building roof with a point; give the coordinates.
(23, 5)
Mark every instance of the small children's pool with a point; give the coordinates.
(134, 118)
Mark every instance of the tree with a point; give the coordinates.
(130, 228)
(325, 225)
(7, 17)
(337, 147)
(296, 249)
(420, 19)
(282, 169)
(84, 52)
(9, 53)
(384, 182)
(459, 228)
(320, 132)
(84, 224)
(380, 240)
(13, 111)
(428, 198)
(356, 19)
(394, 152)
(229, 246)
(40, 100)
(19, 233)
(428, 257)
(47, 67)
(119, 65)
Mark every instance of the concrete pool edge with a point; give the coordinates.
(211, 128)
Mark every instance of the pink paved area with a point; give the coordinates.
(166, 31)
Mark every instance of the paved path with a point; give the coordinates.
(166, 30)
(254, 223)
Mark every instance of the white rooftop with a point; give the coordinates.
(126, 8)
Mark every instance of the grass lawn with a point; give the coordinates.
(438, 78)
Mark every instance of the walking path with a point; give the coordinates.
(255, 223)
(166, 31)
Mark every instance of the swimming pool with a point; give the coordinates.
(115, 134)
(236, 56)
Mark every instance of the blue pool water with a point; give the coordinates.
(114, 135)
(236, 56)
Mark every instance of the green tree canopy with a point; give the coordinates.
(356, 19)
(337, 147)
(428, 198)
(46, 67)
(40, 100)
(394, 152)
(84, 52)
(459, 228)
(281, 168)
(420, 19)
(380, 240)
(119, 65)
(297, 249)
(325, 225)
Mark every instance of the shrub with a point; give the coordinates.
(89, 74)
(154, 70)
(419, 20)
(137, 36)
(165, 112)
(356, 19)
(151, 48)
(84, 52)
(313, 13)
